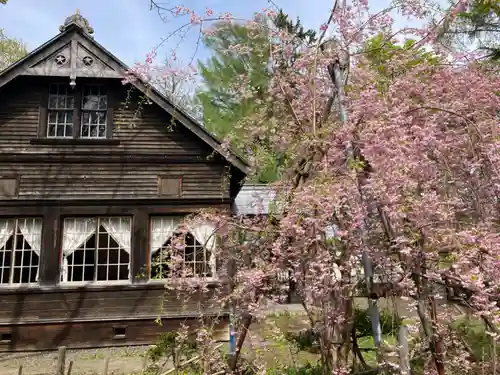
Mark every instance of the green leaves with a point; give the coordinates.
(236, 86)
(11, 50)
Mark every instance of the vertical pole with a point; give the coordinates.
(232, 331)
(106, 366)
(70, 367)
(367, 264)
(404, 358)
(372, 304)
(61, 360)
(232, 334)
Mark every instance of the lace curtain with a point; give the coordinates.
(75, 233)
(31, 229)
(205, 234)
(6, 231)
(120, 230)
(162, 229)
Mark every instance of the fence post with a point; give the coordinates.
(106, 366)
(61, 360)
(70, 367)
(20, 371)
(404, 359)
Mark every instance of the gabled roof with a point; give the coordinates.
(76, 32)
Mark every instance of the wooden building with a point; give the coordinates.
(90, 191)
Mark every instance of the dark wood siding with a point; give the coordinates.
(145, 301)
(85, 317)
(78, 335)
(150, 133)
(113, 181)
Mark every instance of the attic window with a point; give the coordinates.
(76, 115)
(94, 111)
(60, 116)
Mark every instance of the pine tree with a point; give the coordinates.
(223, 106)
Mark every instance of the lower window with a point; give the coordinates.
(96, 249)
(181, 253)
(20, 243)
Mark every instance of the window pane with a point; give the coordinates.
(51, 130)
(93, 124)
(86, 118)
(6, 265)
(91, 102)
(61, 102)
(70, 102)
(53, 101)
(123, 272)
(60, 131)
(189, 253)
(106, 252)
(61, 117)
(89, 273)
(94, 118)
(52, 117)
(102, 256)
(18, 259)
(60, 98)
(191, 261)
(103, 102)
(113, 272)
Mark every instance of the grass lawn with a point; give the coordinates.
(267, 341)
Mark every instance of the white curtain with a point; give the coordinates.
(75, 233)
(31, 229)
(6, 230)
(204, 233)
(120, 230)
(162, 229)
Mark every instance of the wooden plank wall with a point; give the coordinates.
(79, 335)
(113, 181)
(85, 304)
(150, 134)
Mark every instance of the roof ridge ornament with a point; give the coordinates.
(78, 20)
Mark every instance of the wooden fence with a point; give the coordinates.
(62, 369)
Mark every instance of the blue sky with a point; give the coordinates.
(129, 29)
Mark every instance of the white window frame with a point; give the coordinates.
(169, 233)
(98, 109)
(21, 228)
(98, 223)
(68, 98)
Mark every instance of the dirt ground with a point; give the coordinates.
(123, 361)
